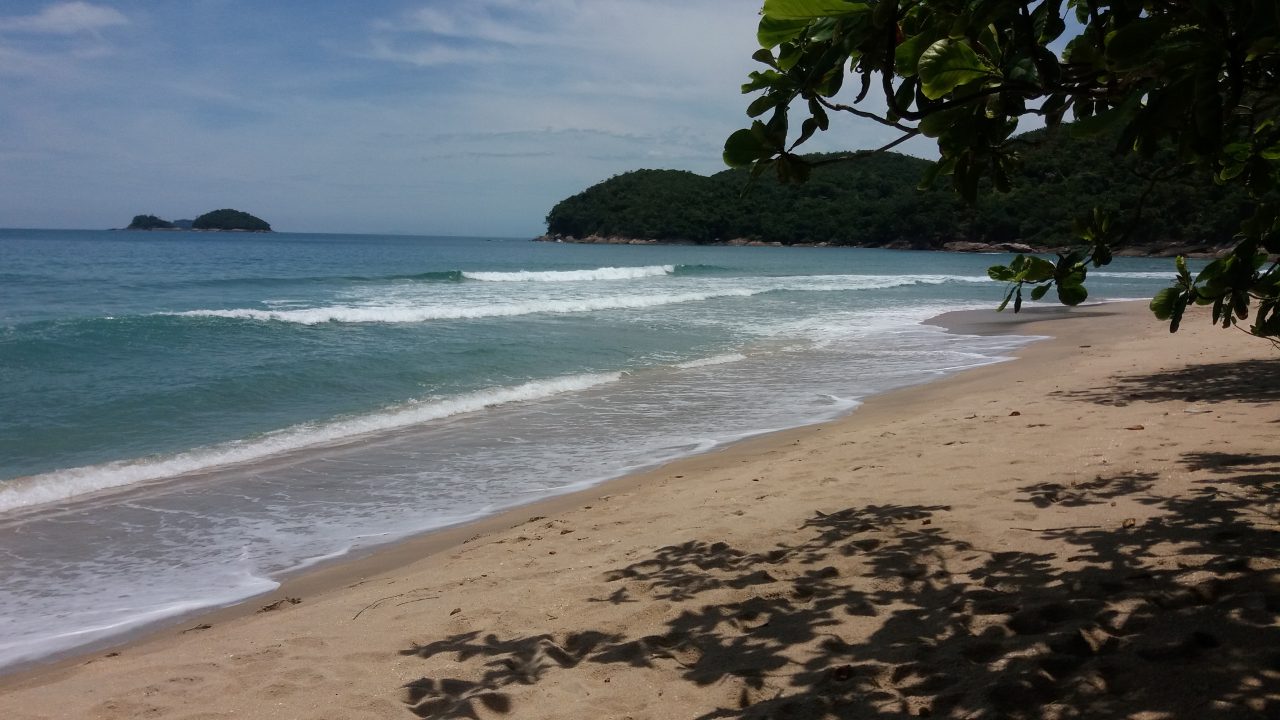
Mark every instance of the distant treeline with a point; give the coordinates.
(873, 201)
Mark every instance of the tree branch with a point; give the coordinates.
(862, 114)
(910, 133)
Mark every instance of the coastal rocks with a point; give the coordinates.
(1191, 251)
(602, 240)
(981, 247)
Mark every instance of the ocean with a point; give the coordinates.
(187, 417)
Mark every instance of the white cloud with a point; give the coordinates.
(427, 55)
(475, 21)
(69, 18)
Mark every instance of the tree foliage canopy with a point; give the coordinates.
(1191, 81)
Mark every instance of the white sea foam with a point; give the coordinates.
(1165, 275)
(63, 484)
(104, 621)
(604, 273)
(408, 312)
(713, 360)
(404, 313)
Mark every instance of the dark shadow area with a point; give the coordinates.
(880, 612)
(1098, 491)
(1251, 381)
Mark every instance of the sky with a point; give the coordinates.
(434, 117)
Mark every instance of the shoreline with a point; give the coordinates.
(382, 558)
(511, 574)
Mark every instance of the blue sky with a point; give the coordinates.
(466, 117)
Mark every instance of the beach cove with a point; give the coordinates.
(1088, 531)
(188, 419)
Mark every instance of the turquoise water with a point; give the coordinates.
(184, 417)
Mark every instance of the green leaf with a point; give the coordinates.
(1008, 296)
(761, 105)
(905, 94)
(937, 123)
(906, 58)
(948, 64)
(1036, 269)
(1040, 291)
(1240, 304)
(743, 148)
(1047, 21)
(1000, 273)
(810, 9)
(931, 173)
(764, 56)
(760, 80)
(1072, 294)
(807, 129)
(774, 31)
(1179, 307)
(1162, 304)
(1023, 70)
(1101, 254)
(1105, 120)
(1211, 272)
(1136, 42)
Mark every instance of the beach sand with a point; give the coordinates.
(1089, 531)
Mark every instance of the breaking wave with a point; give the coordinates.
(604, 273)
(416, 313)
(63, 484)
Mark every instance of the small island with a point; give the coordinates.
(224, 220)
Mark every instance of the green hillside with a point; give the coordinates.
(873, 201)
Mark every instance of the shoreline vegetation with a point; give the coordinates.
(875, 200)
(912, 558)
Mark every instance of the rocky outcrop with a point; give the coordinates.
(981, 247)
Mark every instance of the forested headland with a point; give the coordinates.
(225, 219)
(873, 201)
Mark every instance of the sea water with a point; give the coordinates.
(186, 417)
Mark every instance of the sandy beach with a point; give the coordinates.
(1087, 531)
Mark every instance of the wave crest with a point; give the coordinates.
(64, 484)
(604, 273)
(406, 313)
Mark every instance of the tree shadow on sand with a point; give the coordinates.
(1177, 616)
(1250, 381)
